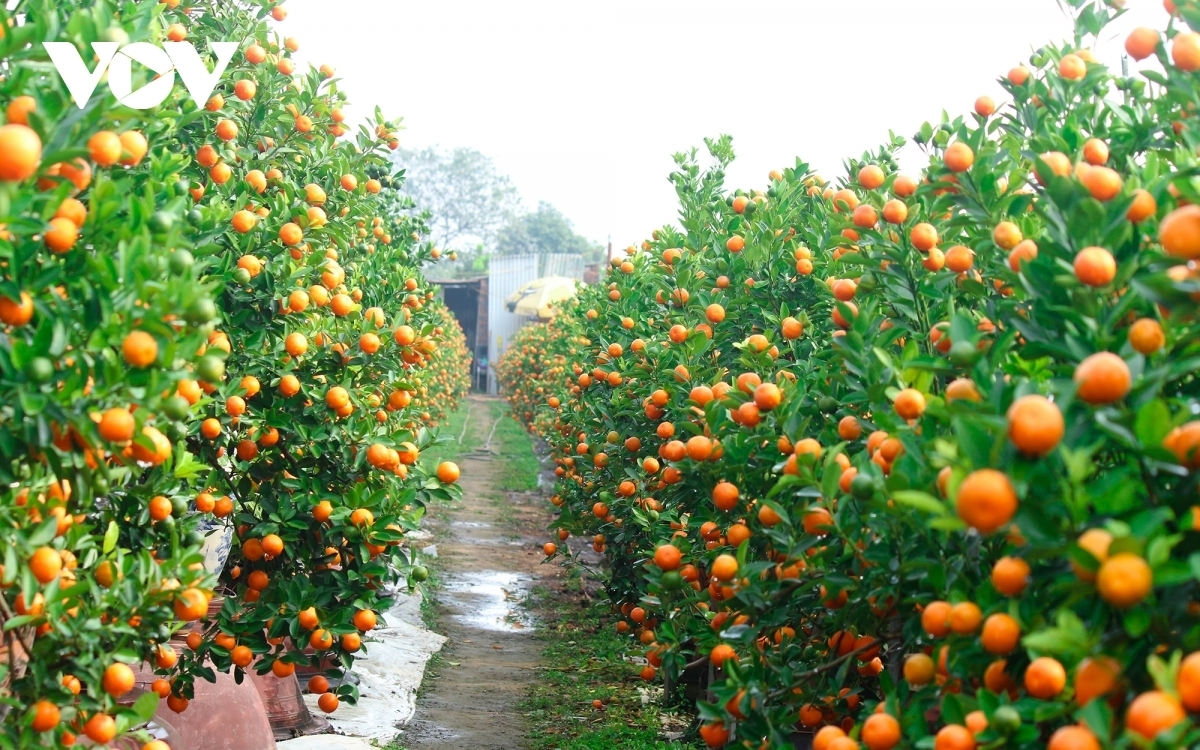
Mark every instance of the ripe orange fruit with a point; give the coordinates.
(1095, 151)
(320, 639)
(328, 703)
(1076, 737)
(976, 722)
(1102, 378)
(1188, 681)
(816, 521)
(849, 428)
(825, 735)
(767, 396)
(244, 221)
(45, 716)
(341, 305)
(923, 237)
(104, 148)
(364, 620)
(721, 653)
(881, 732)
(986, 500)
(667, 557)
(160, 508)
(895, 211)
(16, 313)
(1045, 678)
(1103, 183)
(139, 349)
(1010, 575)
(291, 234)
(1141, 43)
(910, 403)
(19, 108)
(100, 728)
(714, 734)
(935, 618)
(1143, 207)
(904, 186)
(725, 496)
(1146, 336)
(865, 216)
(272, 545)
(960, 258)
(241, 656)
(226, 130)
(1095, 266)
(45, 563)
(725, 567)
(1184, 442)
(245, 89)
(870, 177)
(1179, 232)
(985, 106)
(1185, 51)
(1096, 543)
(959, 157)
(1096, 677)
(1124, 580)
(919, 669)
(1072, 67)
(116, 425)
(61, 234)
(133, 147)
(1153, 712)
(1025, 251)
(1000, 635)
(191, 604)
(1035, 425)
(20, 152)
(118, 679)
(954, 737)
(965, 618)
(447, 472)
(318, 684)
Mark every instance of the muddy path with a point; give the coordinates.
(489, 558)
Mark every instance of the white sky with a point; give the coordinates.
(582, 102)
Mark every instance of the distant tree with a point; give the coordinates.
(545, 230)
(467, 199)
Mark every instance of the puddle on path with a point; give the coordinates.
(489, 600)
(471, 524)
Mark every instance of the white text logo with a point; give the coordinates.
(171, 58)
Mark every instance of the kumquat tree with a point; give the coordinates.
(909, 461)
(213, 317)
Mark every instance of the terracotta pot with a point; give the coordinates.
(222, 715)
(285, 708)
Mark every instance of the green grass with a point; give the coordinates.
(583, 663)
(517, 466)
(452, 428)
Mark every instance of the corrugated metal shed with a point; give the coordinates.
(505, 275)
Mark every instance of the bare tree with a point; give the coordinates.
(545, 230)
(467, 199)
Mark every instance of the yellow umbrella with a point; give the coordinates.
(539, 297)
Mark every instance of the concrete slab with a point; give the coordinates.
(326, 742)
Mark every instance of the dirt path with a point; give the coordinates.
(489, 550)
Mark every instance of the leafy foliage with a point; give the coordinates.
(919, 445)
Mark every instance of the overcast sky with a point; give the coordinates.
(583, 102)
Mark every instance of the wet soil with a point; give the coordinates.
(489, 549)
